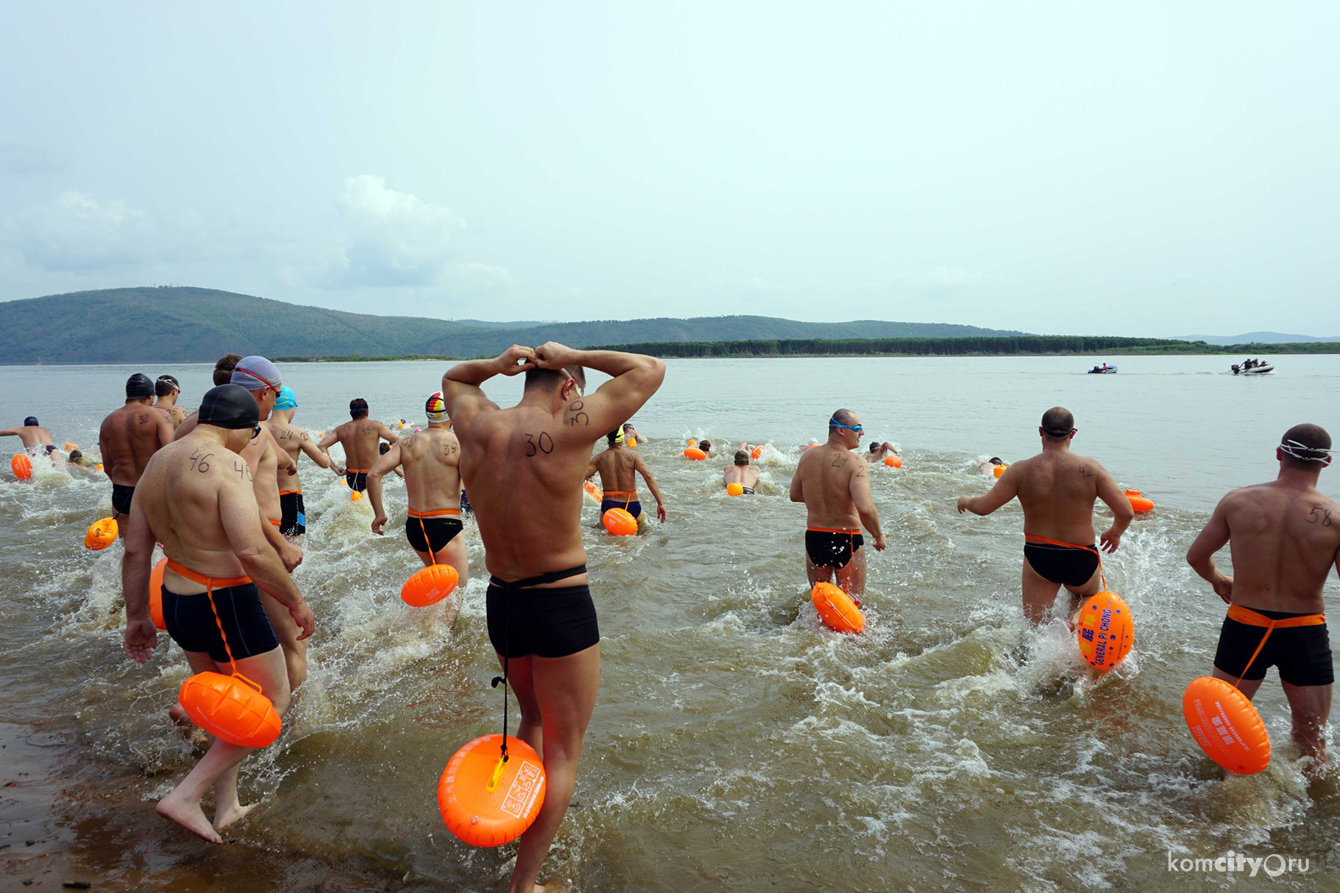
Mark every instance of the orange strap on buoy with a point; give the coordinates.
(209, 583)
(1253, 618)
(431, 584)
(628, 496)
(1033, 538)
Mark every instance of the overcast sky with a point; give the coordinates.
(1140, 169)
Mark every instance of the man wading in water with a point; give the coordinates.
(523, 468)
(1057, 490)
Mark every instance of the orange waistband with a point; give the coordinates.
(357, 470)
(182, 570)
(1030, 538)
(287, 492)
(1253, 618)
(273, 521)
(620, 492)
(833, 530)
(434, 513)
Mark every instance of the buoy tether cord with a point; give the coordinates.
(1102, 575)
(208, 583)
(1255, 618)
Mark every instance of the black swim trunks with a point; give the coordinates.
(634, 508)
(357, 479)
(121, 497)
(748, 491)
(439, 531)
(832, 548)
(1064, 565)
(190, 622)
(293, 519)
(1302, 653)
(544, 622)
(49, 447)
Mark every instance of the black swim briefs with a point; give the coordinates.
(748, 491)
(1063, 565)
(1302, 653)
(634, 508)
(440, 531)
(544, 622)
(190, 622)
(121, 497)
(49, 447)
(357, 480)
(830, 548)
(293, 513)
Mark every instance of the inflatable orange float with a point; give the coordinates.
(756, 452)
(693, 442)
(893, 461)
(695, 454)
(619, 522)
(1226, 725)
(22, 467)
(735, 489)
(838, 610)
(1141, 504)
(101, 534)
(156, 594)
(1105, 630)
(430, 585)
(229, 709)
(998, 470)
(592, 491)
(487, 799)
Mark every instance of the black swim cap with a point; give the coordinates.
(139, 386)
(229, 406)
(31, 421)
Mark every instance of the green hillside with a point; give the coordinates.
(184, 324)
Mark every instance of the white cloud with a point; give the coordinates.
(78, 233)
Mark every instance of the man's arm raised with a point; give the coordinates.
(244, 527)
(633, 379)
(461, 384)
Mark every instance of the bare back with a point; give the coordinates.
(293, 441)
(1057, 490)
(824, 480)
(128, 439)
(431, 459)
(1284, 542)
(360, 438)
(744, 475)
(176, 413)
(618, 470)
(31, 435)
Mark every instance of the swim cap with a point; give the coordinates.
(256, 374)
(229, 406)
(615, 436)
(286, 399)
(436, 407)
(139, 386)
(31, 421)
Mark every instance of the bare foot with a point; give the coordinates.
(225, 817)
(189, 815)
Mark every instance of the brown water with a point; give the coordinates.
(736, 744)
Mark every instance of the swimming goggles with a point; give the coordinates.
(263, 381)
(1303, 451)
(834, 423)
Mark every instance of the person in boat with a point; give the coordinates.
(1284, 538)
(1057, 490)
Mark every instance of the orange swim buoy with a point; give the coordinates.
(756, 452)
(1105, 630)
(1141, 504)
(231, 708)
(98, 467)
(22, 467)
(355, 496)
(71, 446)
(101, 534)
(998, 470)
(620, 522)
(593, 491)
(893, 461)
(430, 585)
(693, 442)
(1226, 725)
(486, 801)
(695, 454)
(735, 489)
(156, 594)
(837, 609)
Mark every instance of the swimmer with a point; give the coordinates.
(705, 446)
(988, 467)
(359, 438)
(168, 390)
(834, 484)
(127, 440)
(1285, 538)
(742, 473)
(524, 467)
(431, 459)
(223, 369)
(36, 439)
(1057, 490)
(204, 513)
(630, 434)
(616, 466)
(265, 461)
(293, 442)
(80, 461)
(879, 450)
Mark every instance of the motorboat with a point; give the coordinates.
(1259, 369)
(1102, 370)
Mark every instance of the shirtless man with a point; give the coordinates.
(742, 473)
(616, 466)
(359, 439)
(261, 379)
(433, 483)
(1057, 490)
(33, 435)
(168, 390)
(834, 484)
(541, 619)
(292, 441)
(879, 450)
(127, 440)
(197, 500)
(1285, 538)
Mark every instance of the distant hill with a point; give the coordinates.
(1257, 338)
(184, 324)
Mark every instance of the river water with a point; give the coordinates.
(736, 744)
